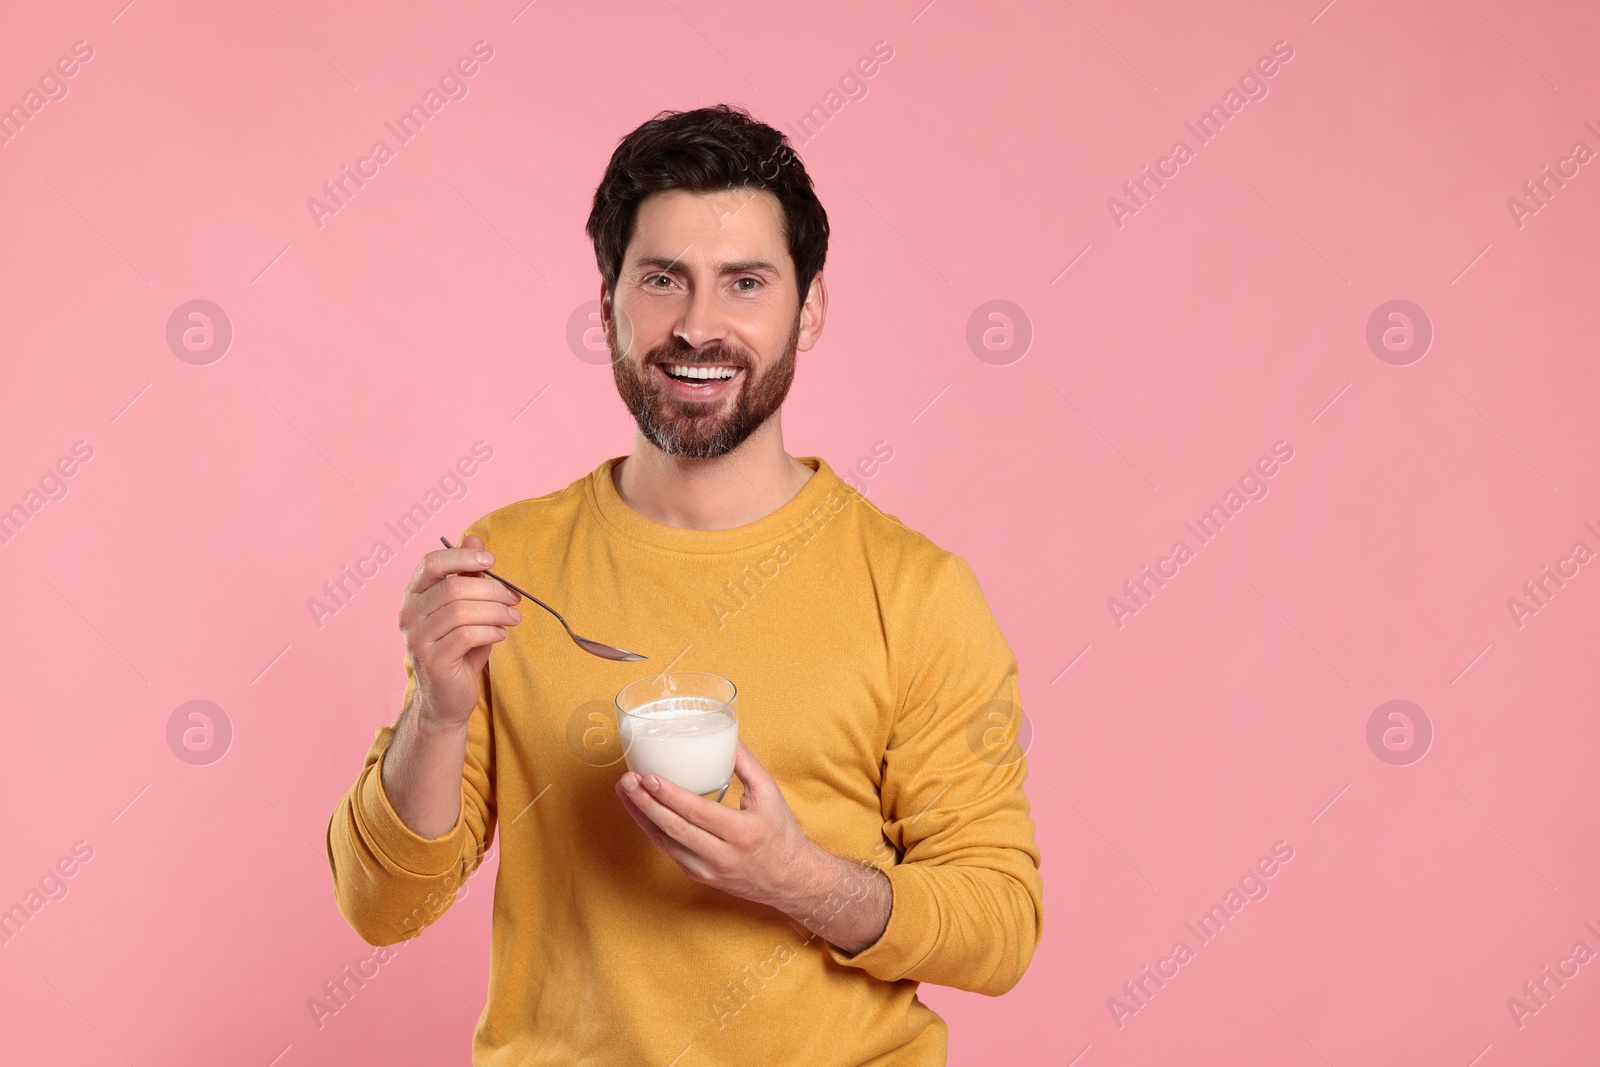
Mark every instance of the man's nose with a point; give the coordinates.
(702, 320)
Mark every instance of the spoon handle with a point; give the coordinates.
(520, 592)
(594, 648)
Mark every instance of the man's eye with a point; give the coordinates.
(654, 278)
(756, 282)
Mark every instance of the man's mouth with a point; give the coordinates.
(697, 374)
(697, 381)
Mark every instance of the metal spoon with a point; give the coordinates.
(595, 648)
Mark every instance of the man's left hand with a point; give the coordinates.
(757, 852)
(760, 853)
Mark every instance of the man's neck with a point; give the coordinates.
(742, 487)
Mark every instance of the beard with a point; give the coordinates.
(702, 429)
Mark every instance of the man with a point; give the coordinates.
(877, 834)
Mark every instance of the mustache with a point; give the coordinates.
(681, 353)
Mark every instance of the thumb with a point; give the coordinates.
(471, 541)
(758, 784)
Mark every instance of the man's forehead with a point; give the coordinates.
(725, 222)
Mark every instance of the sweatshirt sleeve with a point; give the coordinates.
(967, 908)
(390, 882)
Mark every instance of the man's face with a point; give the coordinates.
(706, 319)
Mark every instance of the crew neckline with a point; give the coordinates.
(615, 514)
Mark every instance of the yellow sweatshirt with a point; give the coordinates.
(875, 687)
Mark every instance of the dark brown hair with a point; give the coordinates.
(701, 151)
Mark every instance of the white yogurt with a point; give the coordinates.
(689, 741)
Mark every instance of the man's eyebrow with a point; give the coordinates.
(741, 266)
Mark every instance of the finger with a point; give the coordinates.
(459, 644)
(650, 829)
(461, 587)
(440, 625)
(670, 809)
(715, 818)
(672, 848)
(442, 562)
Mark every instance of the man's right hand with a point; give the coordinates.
(451, 616)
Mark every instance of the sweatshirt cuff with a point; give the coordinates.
(911, 933)
(397, 842)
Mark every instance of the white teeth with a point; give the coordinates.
(701, 372)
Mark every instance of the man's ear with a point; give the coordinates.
(813, 312)
(609, 323)
(605, 309)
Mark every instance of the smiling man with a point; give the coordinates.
(876, 835)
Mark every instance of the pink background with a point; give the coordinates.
(1168, 753)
